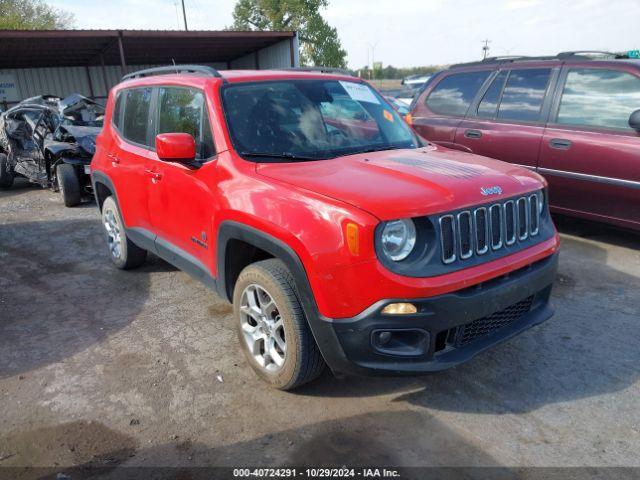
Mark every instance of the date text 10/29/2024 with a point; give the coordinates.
(315, 473)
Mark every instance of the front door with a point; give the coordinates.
(507, 123)
(181, 202)
(589, 154)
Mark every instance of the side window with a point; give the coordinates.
(454, 94)
(136, 115)
(599, 98)
(489, 104)
(117, 110)
(182, 110)
(523, 95)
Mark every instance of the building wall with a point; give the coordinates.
(64, 81)
(275, 56)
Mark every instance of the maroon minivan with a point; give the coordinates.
(574, 118)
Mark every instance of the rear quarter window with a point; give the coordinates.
(454, 93)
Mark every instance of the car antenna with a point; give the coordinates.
(173, 60)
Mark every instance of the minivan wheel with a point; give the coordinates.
(69, 185)
(6, 173)
(123, 252)
(273, 331)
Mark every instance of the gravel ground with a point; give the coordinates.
(142, 368)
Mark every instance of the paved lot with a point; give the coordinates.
(104, 367)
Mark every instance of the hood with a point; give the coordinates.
(408, 183)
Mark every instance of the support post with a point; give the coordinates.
(104, 76)
(292, 50)
(256, 59)
(92, 94)
(123, 63)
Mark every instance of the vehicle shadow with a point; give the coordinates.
(587, 349)
(600, 232)
(20, 186)
(59, 293)
(377, 439)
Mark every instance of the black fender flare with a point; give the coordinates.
(320, 326)
(99, 177)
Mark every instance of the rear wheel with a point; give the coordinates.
(273, 331)
(123, 252)
(69, 184)
(6, 172)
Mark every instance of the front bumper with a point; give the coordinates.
(350, 345)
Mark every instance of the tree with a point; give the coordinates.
(319, 41)
(32, 15)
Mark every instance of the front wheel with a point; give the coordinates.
(123, 252)
(273, 331)
(6, 172)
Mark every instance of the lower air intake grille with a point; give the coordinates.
(489, 324)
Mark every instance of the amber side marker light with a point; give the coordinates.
(353, 240)
(408, 118)
(400, 309)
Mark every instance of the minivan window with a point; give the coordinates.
(183, 110)
(136, 115)
(599, 98)
(524, 94)
(489, 104)
(454, 94)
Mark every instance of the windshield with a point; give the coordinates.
(311, 120)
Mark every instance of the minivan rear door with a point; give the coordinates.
(507, 122)
(443, 104)
(589, 153)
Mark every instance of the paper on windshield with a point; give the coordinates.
(360, 92)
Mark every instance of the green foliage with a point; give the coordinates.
(319, 41)
(390, 72)
(32, 15)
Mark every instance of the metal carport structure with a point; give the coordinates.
(34, 62)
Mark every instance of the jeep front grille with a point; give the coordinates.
(475, 231)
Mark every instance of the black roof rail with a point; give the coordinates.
(584, 54)
(341, 71)
(504, 59)
(208, 71)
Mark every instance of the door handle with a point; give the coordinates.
(560, 143)
(473, 134)
(155, 176)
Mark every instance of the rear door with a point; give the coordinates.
(181, 201)
(128, 160)
(442, 106)
(589, 154)
(507, 123)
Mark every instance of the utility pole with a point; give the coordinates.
(184, 15)
(485, 48)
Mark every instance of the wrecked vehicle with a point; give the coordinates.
(50, 141)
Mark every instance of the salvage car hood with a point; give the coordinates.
(408, 183)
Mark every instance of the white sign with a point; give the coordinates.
(360, 92)
(9, 89)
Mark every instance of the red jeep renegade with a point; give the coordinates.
(338, 234)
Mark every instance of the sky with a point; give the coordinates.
(406, 33)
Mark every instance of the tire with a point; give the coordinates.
(6, 173)
(69, 184)
(283, 322)
(123, 252)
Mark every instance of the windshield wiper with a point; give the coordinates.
(287, 155)
(379, 148)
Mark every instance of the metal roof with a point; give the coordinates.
(56, 48)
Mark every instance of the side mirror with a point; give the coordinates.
(634, 121)
(176, 147)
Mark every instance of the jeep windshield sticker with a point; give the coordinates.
(359, 92)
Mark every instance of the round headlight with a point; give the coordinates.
(398, 239)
